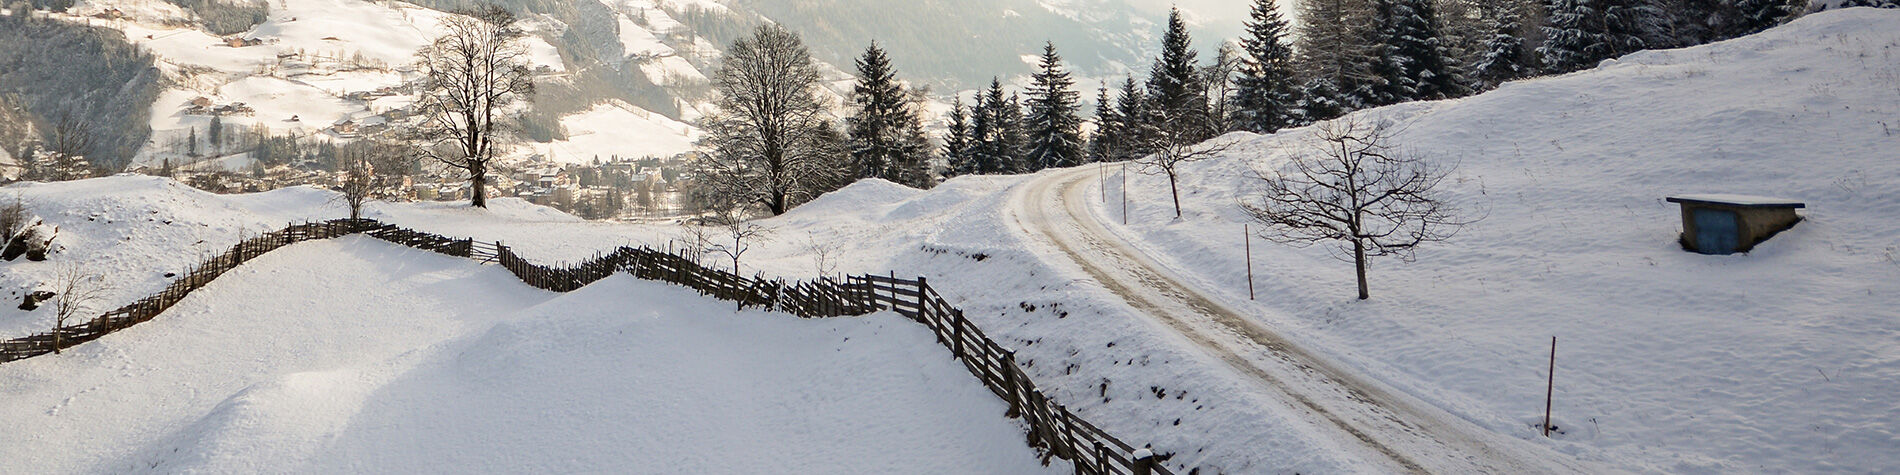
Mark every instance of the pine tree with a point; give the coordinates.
(1581, 33)
(886, 136)
(1414, 47)
(215, 134)
(983, 146)
(1107, 136)
(1265, 98)
(191, 143)
(1053, 129)
(956, 142)
(1177, 101)
(1754, 16)
(1503, 56)
(1133, 128)
(1335, 55)
(1013, 137)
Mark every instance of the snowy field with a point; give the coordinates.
(1782, 360)
(387, 359)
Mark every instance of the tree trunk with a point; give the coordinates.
(1176, 191)
(1359, 261)
(478, 180)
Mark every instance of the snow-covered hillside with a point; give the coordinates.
(390, 359)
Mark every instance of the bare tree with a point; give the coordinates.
(772, 142)
(63, 155)
(824, 256)
(1172, 151)
(1353, 187)
(734, 236)
(1221, 87)
(472, 76)
(77, 292)
(357, 181)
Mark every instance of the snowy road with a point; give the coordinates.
(1391, 427)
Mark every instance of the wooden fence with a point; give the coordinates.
(1052, 428)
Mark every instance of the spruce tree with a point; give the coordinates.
(1581, 33)
(1265, 98)
(1133, 129)
(1754, 16)
(886, 137)
(956, 141)
(1177, 100)
(191, 143)
(1503, 56)
(983, 145)
(1335, 55)
(1012, 137)
(1103, 143)
(1054, 130)
(1415, 48)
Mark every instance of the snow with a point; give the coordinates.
(392, 359)
(1669, 361)
(1742, 200)
(616, 128)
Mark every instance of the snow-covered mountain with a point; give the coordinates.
(336, 68)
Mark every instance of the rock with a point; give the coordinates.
(33, 299)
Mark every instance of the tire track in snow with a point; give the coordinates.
(1414, 437)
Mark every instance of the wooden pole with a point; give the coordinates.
(1551, 385)
(1246, 237)
(1103, 168)
(1124, 194)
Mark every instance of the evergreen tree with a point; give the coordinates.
(1177, 100)
(1265, 97)
(1013, 137)
(1133, 131)
(1414, 48)
(1053, 129)
(886, 137)
(1754, 16)
(1335, 56)
(1581, 33)
(191, 143)
(215, 134)
(983, 145)
(1503, 56)
(1107, 136)
(956, 142)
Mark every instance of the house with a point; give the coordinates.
(1727, 224)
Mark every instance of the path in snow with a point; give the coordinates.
(1412, 436)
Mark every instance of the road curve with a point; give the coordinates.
(1409, 434)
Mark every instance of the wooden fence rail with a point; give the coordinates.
(1052, 428)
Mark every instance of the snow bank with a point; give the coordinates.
(390, 359)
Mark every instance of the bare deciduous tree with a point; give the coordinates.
(1353, 187)
(77, 292)
(472, 76)
(772, 142)
(357, 182)
(1172, 151)
(367, 170)
(733, 235)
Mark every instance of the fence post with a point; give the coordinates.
(923, 287)
(1011, 385)
(1144, 461)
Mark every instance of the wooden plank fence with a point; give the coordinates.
(1052, 429)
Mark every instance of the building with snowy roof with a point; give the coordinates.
(1727, 224)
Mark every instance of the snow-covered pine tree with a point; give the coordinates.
(1053, 128)
(1581, 33)
(1335, 55)
(1107, 136)
(1412, 40)
(956, 142)
(1133, 129)
(1013, 136)
(886, 136)
(1503, 58)
(1266, 93)
(1754, 16)
(1177, 102)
